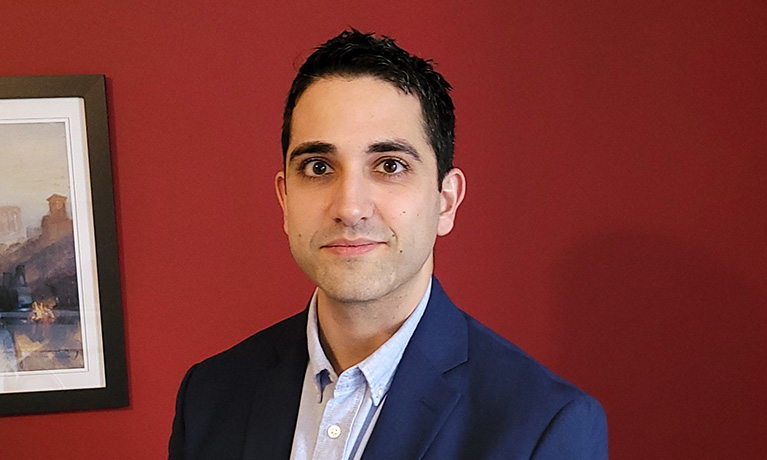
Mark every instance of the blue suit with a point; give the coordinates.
(460, 392)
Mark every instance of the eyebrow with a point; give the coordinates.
(395, 145)
(311, 147)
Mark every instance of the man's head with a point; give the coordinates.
(354, 54)
(362, 193)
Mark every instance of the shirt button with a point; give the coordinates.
(334, 431)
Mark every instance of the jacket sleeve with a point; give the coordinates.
(577, 432)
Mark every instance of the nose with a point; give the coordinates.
(352, 202)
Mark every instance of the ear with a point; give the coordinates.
(282, 197)
(451, 196)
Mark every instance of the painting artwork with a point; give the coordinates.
(59, 292)
(39, 301)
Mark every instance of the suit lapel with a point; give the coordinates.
(269, 435)
(420, 398)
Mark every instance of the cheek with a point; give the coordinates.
(300, 211)
(415, 225)
(297, 226)
(408, 206)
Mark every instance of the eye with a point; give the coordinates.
(319, 168)
(391, 166)
(314, 168)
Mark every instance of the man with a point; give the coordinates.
(381, 365)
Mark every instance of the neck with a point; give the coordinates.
(352, 331)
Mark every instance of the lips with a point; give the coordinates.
(356, 246)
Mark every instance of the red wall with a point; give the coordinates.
(614, 226)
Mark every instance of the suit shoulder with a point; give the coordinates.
(217, 395)
(497, 364)
(579, 428)
(260, 349)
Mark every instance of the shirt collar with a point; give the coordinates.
(378, 368)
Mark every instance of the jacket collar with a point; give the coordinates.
(418, 403)
(269, 435)
(420, 398)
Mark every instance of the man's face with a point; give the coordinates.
(359, 193)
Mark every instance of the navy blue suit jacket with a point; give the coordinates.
(460, 392)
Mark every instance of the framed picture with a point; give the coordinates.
(61, 329)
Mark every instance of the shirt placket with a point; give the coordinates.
(339, 415)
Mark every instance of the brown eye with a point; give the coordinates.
(319, 168)
(315, 168)
(391, 166)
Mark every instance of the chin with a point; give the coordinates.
(365, 282)
(356, 287)
(350, 291)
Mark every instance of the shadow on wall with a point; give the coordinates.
(671, 343)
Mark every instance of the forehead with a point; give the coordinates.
(355, 110)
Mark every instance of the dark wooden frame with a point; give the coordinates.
(92, 89)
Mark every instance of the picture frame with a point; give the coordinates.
(62, 344)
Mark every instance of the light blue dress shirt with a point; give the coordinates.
(338, 412)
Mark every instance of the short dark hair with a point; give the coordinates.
(353, 53)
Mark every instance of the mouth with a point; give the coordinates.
(351, 247)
